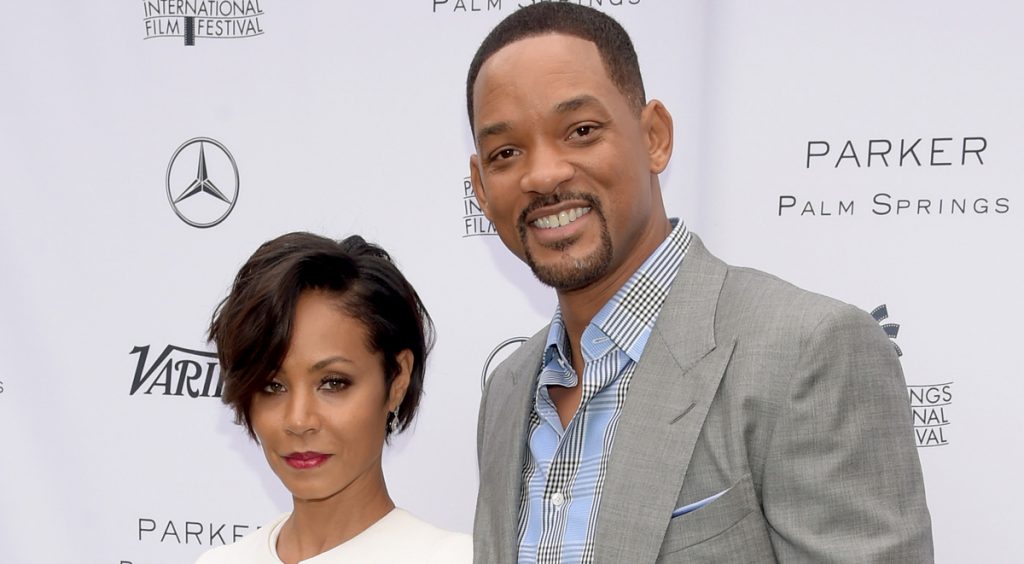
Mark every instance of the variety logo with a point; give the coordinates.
(928, 403)
(202, 19)
(497, 356)
(202, 182)
(907, 153)
(476, 6)
(472, 216)
(177, 371)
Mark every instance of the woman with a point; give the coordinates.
(322, 346)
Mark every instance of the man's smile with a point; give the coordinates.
(562, 218)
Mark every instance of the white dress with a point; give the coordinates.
(397, 538)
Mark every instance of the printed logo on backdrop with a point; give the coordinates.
(474, 222)
(202, 182)
(176, 371)
(474, 6)
(931, 419)
(497, 356)
(202, 19)
(929, 403)
(899, 200)
(200, 533)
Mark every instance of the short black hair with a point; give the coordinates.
(612, 41)
(252, 326)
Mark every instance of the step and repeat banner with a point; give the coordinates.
(867, 151)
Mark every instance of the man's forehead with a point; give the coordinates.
(552, 67)
(547, 47)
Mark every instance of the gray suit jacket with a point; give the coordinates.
(792, 403)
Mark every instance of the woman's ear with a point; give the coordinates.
(401, 382)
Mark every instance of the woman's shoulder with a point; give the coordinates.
(254, 548)
(428, 542)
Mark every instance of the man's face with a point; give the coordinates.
(564, 166)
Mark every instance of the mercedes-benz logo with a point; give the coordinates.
(499, 354)
(203, 196)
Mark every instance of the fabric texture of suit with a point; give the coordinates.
(791, 403)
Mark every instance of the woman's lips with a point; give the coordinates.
(306, 460)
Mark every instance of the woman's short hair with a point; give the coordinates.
(252, 327)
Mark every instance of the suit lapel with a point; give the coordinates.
(668, 399)
(511, 399)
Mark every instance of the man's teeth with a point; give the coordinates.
(561, 218)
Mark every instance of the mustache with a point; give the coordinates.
(557, 198)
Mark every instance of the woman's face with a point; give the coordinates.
(321, 419)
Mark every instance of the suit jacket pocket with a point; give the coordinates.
(712, 519)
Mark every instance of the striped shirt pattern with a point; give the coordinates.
(564, 471)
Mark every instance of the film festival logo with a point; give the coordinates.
(474, 222)
(177, 371)
(497, 356)
(928, 403)
(202, 19)
(202, 182)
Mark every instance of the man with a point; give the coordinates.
(676, 409)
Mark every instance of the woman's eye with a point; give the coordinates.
(273, 388)
(333, 384)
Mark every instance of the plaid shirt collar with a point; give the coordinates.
(626, 321)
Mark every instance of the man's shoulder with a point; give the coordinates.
(754, 302)
(742, 289)
(744, 285)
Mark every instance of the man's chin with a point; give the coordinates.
(569, 273)
(569, 263)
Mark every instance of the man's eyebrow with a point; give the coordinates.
(576, 103)
(492, 129)
(565, 107)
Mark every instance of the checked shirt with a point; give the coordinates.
(564, 471)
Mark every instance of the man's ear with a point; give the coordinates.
(657, 125)
(401, 382)
(478, 184)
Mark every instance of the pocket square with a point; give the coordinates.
(697, 504)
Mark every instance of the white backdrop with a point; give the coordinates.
(346, 117)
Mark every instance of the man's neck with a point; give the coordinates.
(579, 306)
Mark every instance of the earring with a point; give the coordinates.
(393, 424)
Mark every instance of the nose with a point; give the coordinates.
(301, 414)
(547, 169)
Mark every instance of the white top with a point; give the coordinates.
(397, 538)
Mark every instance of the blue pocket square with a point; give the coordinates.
(697, 504)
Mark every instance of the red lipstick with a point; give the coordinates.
(306, 460)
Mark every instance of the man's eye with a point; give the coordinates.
(503, 154)
(582, 131)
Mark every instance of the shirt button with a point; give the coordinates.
(557, 499)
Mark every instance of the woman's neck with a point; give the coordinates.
(316, 526)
